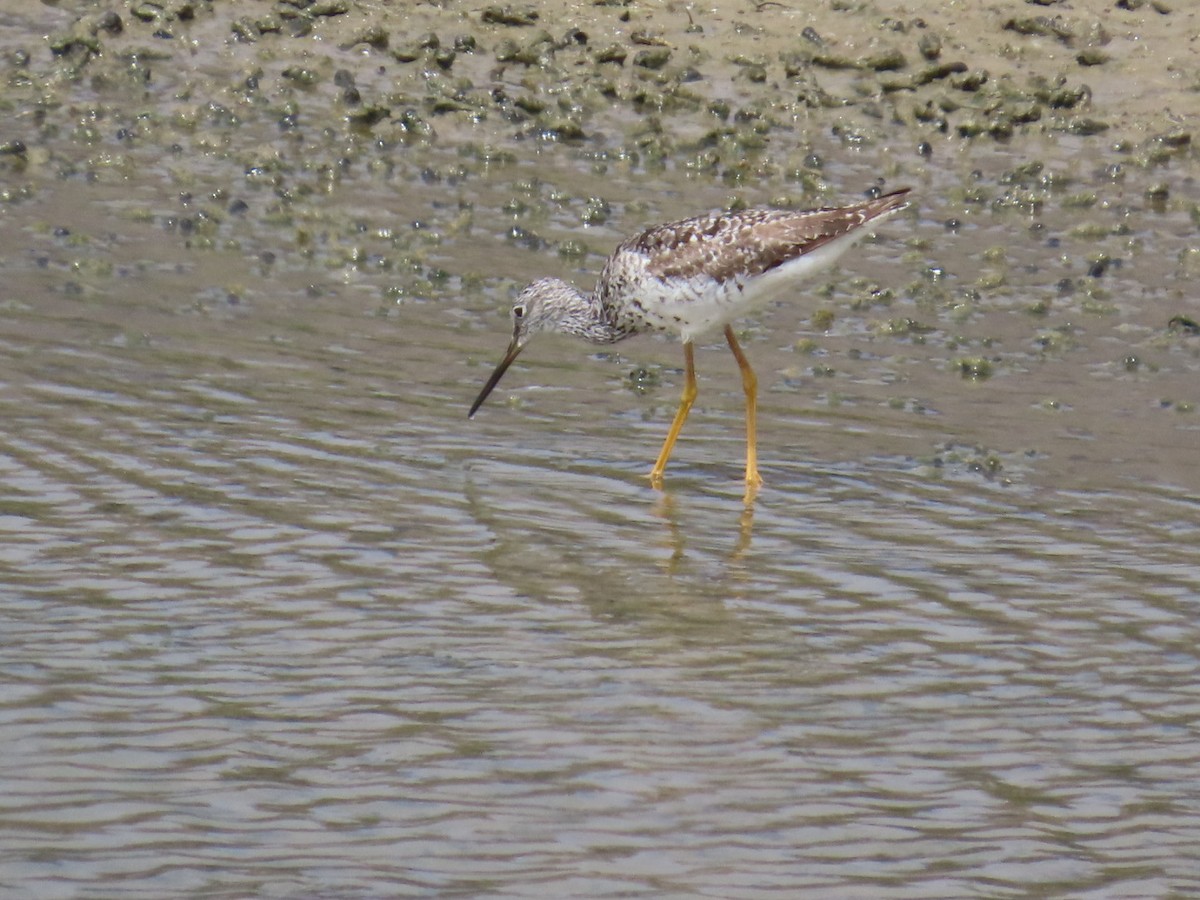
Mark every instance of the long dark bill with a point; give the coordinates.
(513, 351)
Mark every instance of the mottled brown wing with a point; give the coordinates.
(750, 242)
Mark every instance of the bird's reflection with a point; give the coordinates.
(665, 507)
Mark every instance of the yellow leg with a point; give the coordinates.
(750, 386)
(681, 414)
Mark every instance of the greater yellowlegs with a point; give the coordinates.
(692, 277)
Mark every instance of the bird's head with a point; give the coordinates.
(539, 307)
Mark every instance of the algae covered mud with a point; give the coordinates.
(279, 620)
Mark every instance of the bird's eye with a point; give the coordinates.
(518, 311)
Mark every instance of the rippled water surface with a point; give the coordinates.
(278, 620)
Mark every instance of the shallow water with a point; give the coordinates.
(280, 621)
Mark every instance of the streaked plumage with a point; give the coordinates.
(692, 277)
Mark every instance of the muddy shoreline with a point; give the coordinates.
(706, 88)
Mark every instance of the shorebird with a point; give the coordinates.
(692, 277)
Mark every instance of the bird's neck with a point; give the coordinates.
(590, 320)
